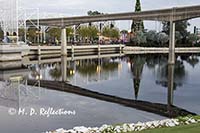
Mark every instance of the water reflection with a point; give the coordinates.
(9, 95)
(170, 87)
(167, 73)
(143, 82)
(179, 75)
(137, 64)
(105, 74)
(15, 92)
(56, 72)
(167, 76)
(191, 59)
(90, 71)
(64, 68)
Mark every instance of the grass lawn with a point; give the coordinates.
(194, 128)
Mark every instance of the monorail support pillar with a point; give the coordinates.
(172, 43)
(63, 42)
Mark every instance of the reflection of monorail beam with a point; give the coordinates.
(156, 108)
(45, 59)
(15, 95)
(9, 95)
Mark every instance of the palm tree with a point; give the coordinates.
(1, 34)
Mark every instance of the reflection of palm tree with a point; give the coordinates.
(110, 66)
(56, 73)
(137, 65)
(153, 60)
(90, 67)
(34, 72)
(87, 69)
(179, 75)
(179, 70)
(193, 60)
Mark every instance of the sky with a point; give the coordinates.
(80, 7)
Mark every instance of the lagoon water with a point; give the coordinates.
(136, 77)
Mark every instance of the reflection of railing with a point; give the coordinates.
(52, 58)
(156, 108)
(159, 50)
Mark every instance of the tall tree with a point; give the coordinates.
(55, 33)
(32, 35)
(137, 25)
(93, 13)
(88, 32)
(83, 32)
(69, 31)
(21, 33)
(110, 32)
(181, 28)
(1, 34)
(93, 31)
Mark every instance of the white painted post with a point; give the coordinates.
(120, 47)
(172, 43)
(99, 48)
(63, 42)
(39, 50)
(72, 49)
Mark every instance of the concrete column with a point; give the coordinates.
(170, 88)
(64, 68)
(172, 43)
(74, 33)
(41, 36)
(44, 37)
(63, 42)
(170, 83)
(38, 37)
(72, 52)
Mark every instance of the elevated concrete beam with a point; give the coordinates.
(181, 13)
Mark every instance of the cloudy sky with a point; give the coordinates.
(80, 7)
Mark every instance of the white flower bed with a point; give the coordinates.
(131, 127)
